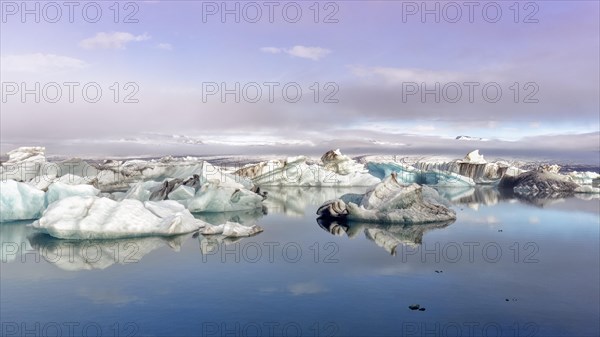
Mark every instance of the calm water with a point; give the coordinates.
(506, 267)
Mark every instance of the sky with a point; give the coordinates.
(202, 77)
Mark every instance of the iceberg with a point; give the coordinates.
(541, 183)
(584, 178)
(409, 175)
(92, 217)
(20, 201)
(473, 166)
(334, 170)
(26, 153)
(391, 202)
(212, 196)
(59, 190)
(23, 164)
(219, 197)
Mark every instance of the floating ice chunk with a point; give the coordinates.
(59, 190)
(444, 178)
(231, 229)
(391, 202)
(405, 174)
(335, 161)
(215, 196)
(20, 201)
(23, 164)
(26, 153)
(73, 179)
(584, 178)
(141, 191)
(42, 182)
(541, 183)
(474, 157)
(297, 171)
(587, 189)
(101, 218)
(182, 192)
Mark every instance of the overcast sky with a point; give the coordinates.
(366, 64)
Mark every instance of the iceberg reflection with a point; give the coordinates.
(77, 255)
(386, 236)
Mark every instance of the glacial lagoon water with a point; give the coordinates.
(505, 267)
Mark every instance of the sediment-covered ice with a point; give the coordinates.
(391, 202)
(409, 175)
(541, 183)
(333, 170)
(218, 197)
(101, 218)
(20, 201)
(212, 196)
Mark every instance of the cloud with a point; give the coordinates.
(164, 46)
(400, 75)
(114, 40)
(311, 53)
(39, 62)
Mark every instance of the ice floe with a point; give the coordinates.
(20, 201)
(92, 217)
(334, 169)
(391, 202)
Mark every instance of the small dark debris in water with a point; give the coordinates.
(507, 300)
(414, 307)
(499, 230)
(439, 271)
(421, 309)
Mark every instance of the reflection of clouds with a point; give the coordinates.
(534, 220)
(106, 296)
(297, 289)
(79, 255)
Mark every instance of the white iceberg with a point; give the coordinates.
(20, 201)
(215, 196)
(391, 202)
(101, 218)
(59, 190)
(23, 164)
(584, 178)
(334, 170)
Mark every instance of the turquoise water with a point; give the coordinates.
(505, 267)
